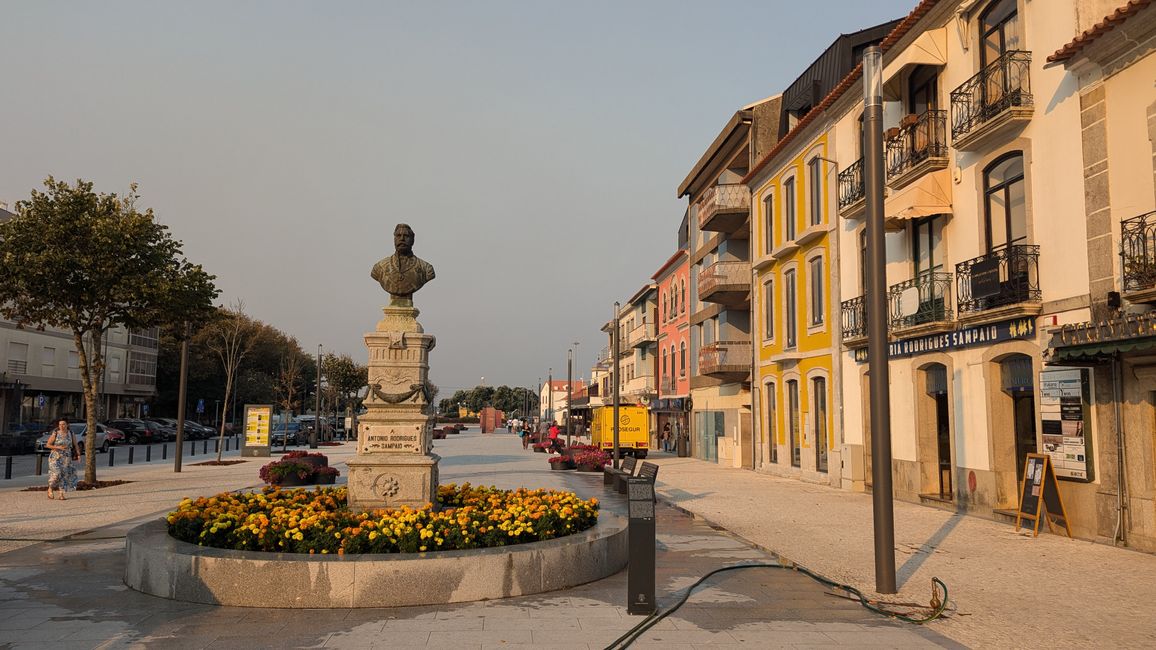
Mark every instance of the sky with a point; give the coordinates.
(535, 147)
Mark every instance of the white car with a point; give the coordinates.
(78, 431)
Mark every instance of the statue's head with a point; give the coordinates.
(403, 239)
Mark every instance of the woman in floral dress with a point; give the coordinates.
(61, 473)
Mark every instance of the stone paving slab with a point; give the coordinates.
(69, 593)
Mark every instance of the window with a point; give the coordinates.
(665, 315)
(863, 262)
(665, 367)
(789, 299)
(708, 332)
(682, 297)
(149, 338)
(17, 358)
(769, 310)
(1000, 31)
(769, 223)
(1005, 208)
(793, 421)
(73, 364)
(772, 421)
(48, 359)
(682, 359)
(815, 190)
(819, 426)
(926, 234)
(789, 209)
(114, 369)
(142, 368)
(817, 307)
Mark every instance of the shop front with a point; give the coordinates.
(670, 418)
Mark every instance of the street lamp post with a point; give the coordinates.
(569, 394)
(550, 388)
(615, 343)
(877, 362)
(317, 409)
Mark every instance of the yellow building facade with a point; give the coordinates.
(794, 322)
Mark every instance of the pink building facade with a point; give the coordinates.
(671, 406)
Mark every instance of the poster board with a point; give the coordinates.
(258, 423)
(1040, 495)
(1066, 418)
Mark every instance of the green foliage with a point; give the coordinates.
(504, 398)
(84, 262)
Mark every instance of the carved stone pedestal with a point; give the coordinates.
(394, 465)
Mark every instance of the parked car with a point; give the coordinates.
(114, 436)
(138, 431)
(79, 432)
(206, 431)
(193, 431)
(293, 430)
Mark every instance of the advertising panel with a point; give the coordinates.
(1065, 415)
(258, 422)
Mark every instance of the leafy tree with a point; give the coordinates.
(84, 262)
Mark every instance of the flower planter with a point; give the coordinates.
(327, 479)
(589, 468)
(316, 461)
(561, 466)
(539, 451)
(293, 479)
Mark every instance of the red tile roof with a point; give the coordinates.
(856, 73)
(1101, 28)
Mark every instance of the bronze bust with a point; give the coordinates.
(402, 273)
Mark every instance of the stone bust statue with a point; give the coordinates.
(402, 273)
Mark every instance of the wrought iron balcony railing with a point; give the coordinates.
(668, 385)
(725, 357)
(1001, 85)
(921, 138)
(923, 299)
(723, 198)
(1003, 277)
(854, 318)
(1138, 251)
(851, 184)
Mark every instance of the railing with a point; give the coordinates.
(604, 355)
(723, 274)
(1007, 276)
(641, 333)
(725, 356)
(17, 367)
(1001, 85)
(1138, 250)
(921, 300)
(920, 138)
(854, 318)
(668, 385)
(851, 184)
(639, 384)
(724, 197)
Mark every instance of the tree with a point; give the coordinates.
(231, 337)
(345, 377)
(84, 263)
(291, 372)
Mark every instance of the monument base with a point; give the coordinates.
(392, 481)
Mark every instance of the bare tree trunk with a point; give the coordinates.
(89, 375)
(221, 435)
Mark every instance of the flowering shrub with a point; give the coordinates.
(580, 449)
(559, 459)
(328, 471)
(276, 471)
(318, 521)
(541, 445)
(599, 458)
(305, 454)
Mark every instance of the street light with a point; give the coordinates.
(317, 410)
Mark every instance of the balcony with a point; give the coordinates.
(726, 359)
(1138, 250)
(726, 283)
(995, 101)
(921, 305)
(855, 322)
(1003, 284)
(724, 207)
(919, 146)
(668, 385)
(852, 198)
(641, 335)
(639, 386)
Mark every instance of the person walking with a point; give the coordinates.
(666, 437)
(555, 442)
(61, 473)
(524, 434)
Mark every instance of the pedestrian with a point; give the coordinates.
(555, 442)
(510, 426)
(61, 473)
(666, 437)
(524, 433)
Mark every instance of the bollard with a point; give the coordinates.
(640, 566)
(216, 445)
(165, 451)
(192, 447)
(39, 464)
(205, 447)
(111, 456)
(8, 468)
(149, 454)
(130, 450)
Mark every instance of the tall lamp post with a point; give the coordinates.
(569, 394)
(876, 305)
(615, 343)
(317, 409)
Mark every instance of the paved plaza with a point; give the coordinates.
(66, 591)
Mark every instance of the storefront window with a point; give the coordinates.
(793, 422)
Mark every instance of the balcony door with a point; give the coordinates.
(926, 253)
(999, 27)
(1005, 206)
(922, 96)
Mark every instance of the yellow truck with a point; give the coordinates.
(633, 430)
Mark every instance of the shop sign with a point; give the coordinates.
(985, 278)
(1065, 415)
(1114, 329)
(1017, 328)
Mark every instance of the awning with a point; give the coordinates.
(930, 194)
(929, 49)
(1100, 352)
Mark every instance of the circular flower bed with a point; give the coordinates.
(317, 521)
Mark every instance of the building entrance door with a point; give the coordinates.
(943, 440)
(1024, 406)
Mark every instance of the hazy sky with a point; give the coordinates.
(535, 147)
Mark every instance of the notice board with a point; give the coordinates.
(1066, 417)
(258, 420)
(1040, 495)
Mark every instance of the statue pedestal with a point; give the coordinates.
(394, 466)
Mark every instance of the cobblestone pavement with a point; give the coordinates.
(67, 592)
